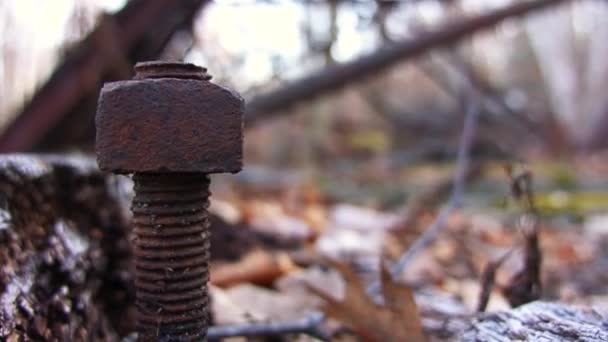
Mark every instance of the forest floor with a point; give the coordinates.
(366, 223)
(293, 257)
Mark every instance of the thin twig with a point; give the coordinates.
(488, 280)
(526, 286)
(310, 325)
(496, 108)
(466, 141)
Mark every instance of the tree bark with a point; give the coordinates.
(62, 241)
(537, 321)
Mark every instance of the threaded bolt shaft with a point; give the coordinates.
(171, 247)
(157, 121)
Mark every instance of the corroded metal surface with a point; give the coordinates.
(160, 69)
(162, 123)
(171, 248)
(171, 127)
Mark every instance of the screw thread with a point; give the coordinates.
(171, 248)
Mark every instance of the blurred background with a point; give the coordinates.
(356, 122)
(537, 75)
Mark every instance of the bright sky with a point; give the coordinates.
(31, 32)
(238, 26)
(34, 30)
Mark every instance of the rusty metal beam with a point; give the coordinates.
(334, 77)
(138, 31)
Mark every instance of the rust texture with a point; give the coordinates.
(171, 127)
(171, 249)
(160, 69)
(169, 124)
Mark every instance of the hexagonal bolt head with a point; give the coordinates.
(169, 118)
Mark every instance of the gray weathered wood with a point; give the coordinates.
(538, 321)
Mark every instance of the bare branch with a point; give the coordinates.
(309, 325)
(466, 141)
(332, 78)
(464, 149)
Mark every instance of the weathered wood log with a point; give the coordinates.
(537, 321)
(63, 251)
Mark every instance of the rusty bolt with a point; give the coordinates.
(170, 127)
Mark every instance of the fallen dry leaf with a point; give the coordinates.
(258, 267)
(397, 320)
